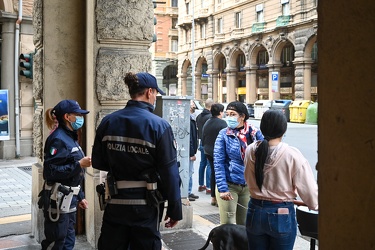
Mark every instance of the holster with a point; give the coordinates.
(153, 195)
(100, 190)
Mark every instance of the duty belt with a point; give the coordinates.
(132, 184)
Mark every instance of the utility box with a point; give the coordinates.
(260, 107)
(282, 105)
(176, 111)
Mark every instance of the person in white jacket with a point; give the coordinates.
(276, 174)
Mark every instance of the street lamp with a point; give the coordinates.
(192, 52)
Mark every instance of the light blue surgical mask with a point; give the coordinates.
(78, 123)
(232, 122)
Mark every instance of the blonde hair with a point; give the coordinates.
(51, 120)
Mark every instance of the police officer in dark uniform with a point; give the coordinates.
(63, 172)
(138, 150)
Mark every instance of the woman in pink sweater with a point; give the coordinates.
(276, 173)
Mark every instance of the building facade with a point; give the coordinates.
(16, 38)
(165, 46)
(248, 50)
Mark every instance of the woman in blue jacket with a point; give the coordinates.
(229, 152)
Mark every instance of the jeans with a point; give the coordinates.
(191, 172)
(204, 165)
(267, 228)
(230, 212)
(212, 180)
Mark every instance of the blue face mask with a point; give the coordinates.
(232, 122)
(78, 123)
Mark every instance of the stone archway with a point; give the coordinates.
(258, 75)
(170, 80)
(219, 78)
(236, 84)
(282, 64)
(184, 75)
(201, 79)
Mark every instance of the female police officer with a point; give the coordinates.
(135, 146)
(63, 172)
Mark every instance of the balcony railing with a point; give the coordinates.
(258, 27)
(282, 20)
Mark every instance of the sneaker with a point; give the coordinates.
(193, 196)
(208, 191)
(191, 199)
(201, 188)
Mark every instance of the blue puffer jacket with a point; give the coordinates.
(228, 159)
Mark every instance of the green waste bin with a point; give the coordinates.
(297, 110)
(282, 105)
(312, 114)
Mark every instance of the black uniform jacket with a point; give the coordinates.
(133, 139)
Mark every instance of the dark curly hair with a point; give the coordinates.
(131, 80)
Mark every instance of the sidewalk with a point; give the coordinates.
(15, 177)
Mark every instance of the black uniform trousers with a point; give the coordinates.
(130, 227)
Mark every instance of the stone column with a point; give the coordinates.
(183, 79)
(214, 88)
(118, 36)
(251, 89)
(198, 86)
(273, 95)
(231, 85)
(307, 81)
(299, 86)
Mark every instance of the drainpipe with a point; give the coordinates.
(16, 80)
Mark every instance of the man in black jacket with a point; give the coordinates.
(204, 165)
(209, 133)
(192, 152)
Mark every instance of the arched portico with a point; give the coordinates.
(201, 79)
(236, 84)
(258, 73)
(185, 73)
(219, 78)
(170, 79)
(281, 65)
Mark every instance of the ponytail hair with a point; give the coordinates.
(273, 125)
(51, 120)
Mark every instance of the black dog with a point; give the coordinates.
(227, 237)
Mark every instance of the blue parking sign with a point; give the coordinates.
(275, 76)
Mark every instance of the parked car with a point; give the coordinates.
(250, 109)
